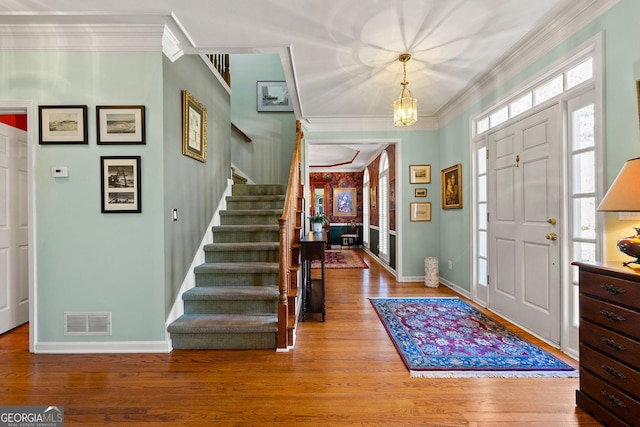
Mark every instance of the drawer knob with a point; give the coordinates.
(613, 290)
(612, 316)
(612, 344)
(613, 372)
(613, 400)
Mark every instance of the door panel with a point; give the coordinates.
(524, 185)
(14, 249)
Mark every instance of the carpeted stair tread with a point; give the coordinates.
(242, 246)
(276, 197)
(252, 227)
(240, 212)
(215, 323)
(231, 293)
(239, 267)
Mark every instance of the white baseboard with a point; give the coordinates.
(103, 347)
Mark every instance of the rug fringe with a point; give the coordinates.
(494, 374)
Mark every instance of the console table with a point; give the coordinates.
(610, 342)
(312, 248)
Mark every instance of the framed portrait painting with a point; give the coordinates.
(194, 128)
(120, 124)
(63, 124)
(344, 202)
(120, 184)
(451, 181)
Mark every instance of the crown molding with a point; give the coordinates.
(363, 124)
(94, 33)
(569, 21)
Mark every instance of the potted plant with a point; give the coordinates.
(317, 222)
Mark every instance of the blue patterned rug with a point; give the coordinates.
(446, 337)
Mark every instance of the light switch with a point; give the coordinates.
(59, 172)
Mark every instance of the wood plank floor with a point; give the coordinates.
(345, 371)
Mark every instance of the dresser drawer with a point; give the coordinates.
(616, 373)
(616, 401)
(612, 316)
(625, 292)
(610, 343)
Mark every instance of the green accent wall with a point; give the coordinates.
(267, 158)
(128, 264)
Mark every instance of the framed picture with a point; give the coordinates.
(120, 181)
(344, 202)
(421, 192)
(420, 211)
(273, 96)
(420, 174)
(63, 124)
(451, 180)
(373, 198)
(194, 128)
(120, 124)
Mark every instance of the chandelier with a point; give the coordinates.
(405, 110)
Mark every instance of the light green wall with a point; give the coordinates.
(622, 64)
(192, 187)
(266, 160)
(86, 260)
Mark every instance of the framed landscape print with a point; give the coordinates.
(194, 128)
(420, 174)
(63, 124)
(451, 181)
(344, 202)
(120, 124)
(120, 184)
(273, 96)
(420, 211)
(420, 192)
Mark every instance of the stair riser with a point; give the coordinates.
(213, 341)
(249, 219)
(236, 279)
(223, 236)
(258, 190)
(254, 204)
(231, 307)
(240, 256)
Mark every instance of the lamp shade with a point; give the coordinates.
(623, 195)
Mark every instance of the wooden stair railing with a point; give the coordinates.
(220, 62)
(290, 229)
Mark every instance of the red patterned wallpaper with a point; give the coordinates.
(340, 180)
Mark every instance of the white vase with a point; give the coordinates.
(316, 227)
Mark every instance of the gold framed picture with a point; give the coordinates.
(344, 202)
(451, 181)
(420, 211)
(420, 174)
(194, 128)
(420, 192)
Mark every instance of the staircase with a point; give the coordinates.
(234, 304)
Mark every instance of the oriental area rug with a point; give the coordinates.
(341, 259)
(448, 338)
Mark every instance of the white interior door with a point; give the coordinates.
(525, 188)
(14, 246)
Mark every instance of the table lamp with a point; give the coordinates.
(623, 196)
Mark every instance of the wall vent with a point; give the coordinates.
(87, 323)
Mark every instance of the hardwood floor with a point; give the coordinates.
(345, 371)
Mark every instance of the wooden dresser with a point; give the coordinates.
(610, 342)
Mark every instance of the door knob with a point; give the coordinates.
(552, 221)
(551, 236)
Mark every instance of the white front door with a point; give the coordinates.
(525, 188)
(14, 249)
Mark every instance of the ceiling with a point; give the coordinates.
(339, 56)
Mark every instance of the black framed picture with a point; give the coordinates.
(120, 184)
(120, 124)
(63, 124)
